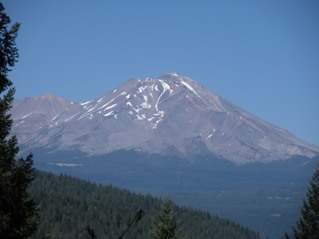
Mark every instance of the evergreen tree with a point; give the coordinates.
(165, 226)
(18, 211)
(308, 224)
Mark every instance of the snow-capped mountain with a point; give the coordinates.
(168, 115)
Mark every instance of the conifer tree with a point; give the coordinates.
(18, 212)
(165, 225)
(308, 225)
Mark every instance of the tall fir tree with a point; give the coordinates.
(308, 225)
(18, 211)
(165, 225)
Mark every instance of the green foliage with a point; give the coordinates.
(69, 206)
(165, 225)
(18, 211)
(308, 224)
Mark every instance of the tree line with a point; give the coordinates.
(69, 206)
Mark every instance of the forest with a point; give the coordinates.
(70, 208)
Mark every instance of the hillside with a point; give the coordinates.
(68, 206)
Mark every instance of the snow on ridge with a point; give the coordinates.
(55, 117)
(158, 99)
(109, 113)
(145, 105)
(19, 123)
(96, 107)
(174, 74)
(165, 86)
(139, 117)
(110, 107)
(85, 103)
(70, 118)
(26, 116)
(100, 99)
(188, 86)
(66, 164)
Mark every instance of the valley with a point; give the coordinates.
(264, 197)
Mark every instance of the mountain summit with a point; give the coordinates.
(168, 115)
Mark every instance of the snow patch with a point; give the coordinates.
(275, 214)
(85, 103)
(66, 164)
(110, 107)
(146, 105)
(109, 113)
(55, 117)
(19, 123)
(189, 87)
(166, 86)
(70, 118)
(139, 117)
(174, 74)
(26, 116)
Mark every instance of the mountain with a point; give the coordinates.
(170, 115)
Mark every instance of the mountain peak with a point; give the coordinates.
(48, 96)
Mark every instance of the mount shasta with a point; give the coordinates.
(169, 115)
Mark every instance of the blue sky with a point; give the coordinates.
(261, 55)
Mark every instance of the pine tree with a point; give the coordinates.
(18, 212)
(165, 225)
(308, 224)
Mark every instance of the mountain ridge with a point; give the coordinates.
(171, 114)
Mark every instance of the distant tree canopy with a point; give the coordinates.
(308, 225)
(18, 212)
(74, 208)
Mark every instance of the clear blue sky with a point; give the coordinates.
(261, 55)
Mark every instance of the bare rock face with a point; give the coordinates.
(168, 115)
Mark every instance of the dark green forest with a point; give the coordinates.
(69, 206)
